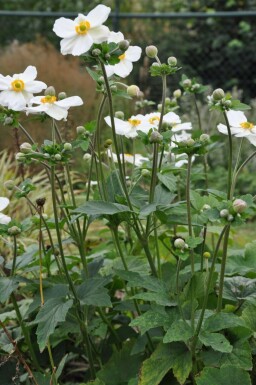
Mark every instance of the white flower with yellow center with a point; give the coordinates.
(170, 118)
(17, 90)
(80, 34)
(125, 66)
(56, 109)
(130, 127)
(239, 126)
(4, 219)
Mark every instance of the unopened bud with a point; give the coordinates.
(145, 172)
(80, 130)
(230, 218)
(96, 52)
(8, 120)
(155, 64)
(107, 56)
(206, 207)
(179, 243)
(113, 88)
(87, 157)
(57, 157)
(50, 91)
(218, 94)
(155, 137)
(108, 143)
(227, 103)
(41, 201)
(25, 148)
(124, 45)
(224, 213)
(9, 184)
(204, 138)
(177, 93)
(62, 95)
(206, 255)
(133, 90)
(20, 156)
(67, 146)
(190, 142)
(119, 115)
(239, 205)
(151, 51)
(187, 83)
(14, 230)
(195, 87)
(172, 61)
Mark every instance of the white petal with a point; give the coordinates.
(4, 219)
(182, 126)
(98, 15)
(35, 86)
(252, 139)
(110, 70)
(5, 82)
(99, 34)
(171, 118)
(236, 117)
(4, 202)
(123, 69)
(115, 37)
(14, 100)
(37, 109)
(64, 28)
(72, 101)
(29, 74)
(81, 45)
(36, 99)
(222, 128)
(133, 53)
(57, 112)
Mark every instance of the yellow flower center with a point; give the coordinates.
(48, 99)
(154, 119)
(18, 85)
(134, 122)
(247, 125)
(82, 27)
(121, 57)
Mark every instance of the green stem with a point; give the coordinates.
(230, 157)
(222, 270)
(14, 255)
(190, 228)
(198, 114)
(203, 247)
(240, 169)
(54, 379)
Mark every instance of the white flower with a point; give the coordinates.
(125, 66)
(239, 126)
(129, 128)
(170, 118)
(80, 34)
(17, 90)
(57, 109)
(4, 219)
(136, 159)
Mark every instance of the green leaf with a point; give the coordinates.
(192, 242)
(49, 316)
(168, 179)
(238, 106)
(155, 317)
(216, 341)
(249, 316)
(93, 292)
(226, 375)
(7, 286)
(222, 321)
(179, 331)
(101, 208)
(61, 366)
(243, 264)
(239, 288)
(182, 364)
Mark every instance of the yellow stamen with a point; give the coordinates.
(121, 57)
(82, 27)
(134, 122)
(154, 119)
(247, 125)
(18, 85)
(48, 99)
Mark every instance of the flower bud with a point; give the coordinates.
(20, 156)
(101, 79)
(187, 83)
(230, 218)
(179, 243)
(195, 87)
(113, 88)
(96, 52)
(167, 100)
(227, 103)
(108, 143)
(172, 61)
(107, 56)
(190, 142)
(119, 115)
(50, 91)
(155, 137)
(67, 146)
(206, 255)
(133, 90)
(204, 138)
(25, 148)
(239, 205)
(9, 184)
(41, 201)
(155, 64)
(218, 94)
(8, 120)
(14, 230)
(62, 95)
(80, 130)
(151, 51)
(124, 45)
(87, 157)
(145, 172)
(57, 157)
(206, 207)
(224, 213)
(177, 93)
(47, 156)
(159, 106)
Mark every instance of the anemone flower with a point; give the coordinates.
(170, 118)
(130, 127)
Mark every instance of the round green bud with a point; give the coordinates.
(20, 157)
(25, 148)
(227, 103)
(206, 255)
(218, 94)
(108, 143)
(145, 172)
(96, 52)
(155, 64)
(62, 95)
(50, 91)
(119, 115)
(179, 243)
(101, 79)
(159, 106)
(8, 120)
(107, 56)
(47, 156)
(177, 93)
(224, 213)
(167, 100)
(9, 184)
(172, 61)
(67, 146)
(113, 88)
(124, 45)
(151, 51)
(239, 205)
(190, 142)
(133, 90)
(206, 207)
(195, 87)
(187, 83)
(156, 137)
(80, 130)
(204, 138)
(87, 157)
(14, 230)
(57, 157)
(230, 218)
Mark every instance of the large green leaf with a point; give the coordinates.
(249, 316)
(101, 208)
(182, 364)
(7, 286)
(169, 180)
(216, 341)
(49, 316)
(93, 292)
(243, 264)
(222, 321)
(155, 317)
(226, 375)
(179, 331)
(239, 288)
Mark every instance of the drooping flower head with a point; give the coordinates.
(4, 219)
(50, 105)
(125, 66)
(80, 34)
(17, 90)
(130, 127)
(239, 126)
